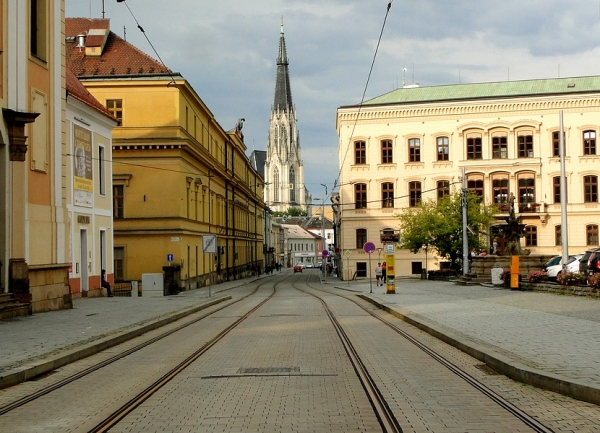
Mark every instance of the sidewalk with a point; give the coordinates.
(37, 344)
(542, 339)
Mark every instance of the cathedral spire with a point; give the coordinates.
(283, 92)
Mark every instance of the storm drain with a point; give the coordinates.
(269, 370)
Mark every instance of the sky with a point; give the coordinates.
(227, 51)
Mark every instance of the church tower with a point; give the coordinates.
(284, 170)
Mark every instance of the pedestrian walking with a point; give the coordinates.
(378, 274)
(383, 271)
(105, 284)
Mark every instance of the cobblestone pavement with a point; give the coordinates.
(555, 335)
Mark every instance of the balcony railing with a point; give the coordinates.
(522, 207)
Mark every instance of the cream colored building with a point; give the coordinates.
(34, 222)
(413, 143)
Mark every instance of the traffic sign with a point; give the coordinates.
(209, 244)
(169, 258)
(325, 253)
(347, 253)
(369, 247)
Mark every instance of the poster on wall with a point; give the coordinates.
(83, 186)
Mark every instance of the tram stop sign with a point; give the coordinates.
(369, 247)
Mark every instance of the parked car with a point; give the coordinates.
(584, 262)
(298, 268)
(309, 265)
(553, 261)
(593, 263)
(572, 266)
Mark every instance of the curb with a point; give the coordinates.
(27, 372)
(499, 363)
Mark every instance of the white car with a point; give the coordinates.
(572, 266)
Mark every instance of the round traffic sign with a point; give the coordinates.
(325, 253)
(369, 247)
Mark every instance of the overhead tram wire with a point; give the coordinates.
(365, 89)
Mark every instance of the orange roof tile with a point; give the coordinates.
(78, 91)
(118, 58)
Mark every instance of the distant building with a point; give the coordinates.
(412, 144)
(302, 246)
(283, 166)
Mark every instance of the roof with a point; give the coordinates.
(306, 222)
(297, 232)
(283, 90)
(77, 90)
(505, 89)
(257, 160)
(119, 57)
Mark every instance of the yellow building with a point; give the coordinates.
(34, 222)
(413, 143)
(178, 176)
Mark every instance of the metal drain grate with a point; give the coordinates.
(487, 370)
(268, 370)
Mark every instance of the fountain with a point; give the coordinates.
(513, 231)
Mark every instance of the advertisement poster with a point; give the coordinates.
(83, 186)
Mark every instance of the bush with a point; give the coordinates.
(594, 281)
(570, 278)
(537, 276)
(505, 275)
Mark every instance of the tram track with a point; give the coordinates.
(527, 419)
(79, 375)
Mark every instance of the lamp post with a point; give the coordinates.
(323, 234)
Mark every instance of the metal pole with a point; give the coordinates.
(564, 228)
(212, 259)
(466, 269)
(348, 266)
(370, 274)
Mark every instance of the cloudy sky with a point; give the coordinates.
(227, 51)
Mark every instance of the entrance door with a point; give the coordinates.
(83, 261)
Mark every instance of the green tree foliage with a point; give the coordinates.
(437, 225)
(291, 211)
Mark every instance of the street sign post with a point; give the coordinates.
(368, 248)
(348, 253)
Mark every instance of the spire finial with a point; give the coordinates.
(281, 24)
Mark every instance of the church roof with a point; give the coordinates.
(257, 160)
(283, 91)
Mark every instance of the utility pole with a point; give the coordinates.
(465, 235)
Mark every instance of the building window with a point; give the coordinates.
(531, 236)
(38, 22)
(443, 189)
(555, 144)
(589, 142)
(386, 152)
(361, 238)
(591, 232)
(590, 189)
(526, 190)
(115, 107)
(102, 170)
(387, 195)
(292, 186)
(557, 236)
(414, 191)
(360, 152)
(443, 149)
(475, 185)
(499, 147)
(360, 195)
(500, 191)
(414, 150)
(474, 147)
(276, 187)
(118, 198)
(525, 143)
(119, 263)
(556, 189)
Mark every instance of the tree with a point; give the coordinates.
(438, 225)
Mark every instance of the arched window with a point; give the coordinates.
(443, 189)
(443, 149)
(276, 186)
(360, 195)
(499, 146)
(475, 185)
(387, 195)
(292, 185)
(361, 238)
(474, 146)
(525, 143)
(531, 236)
(500, 190)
